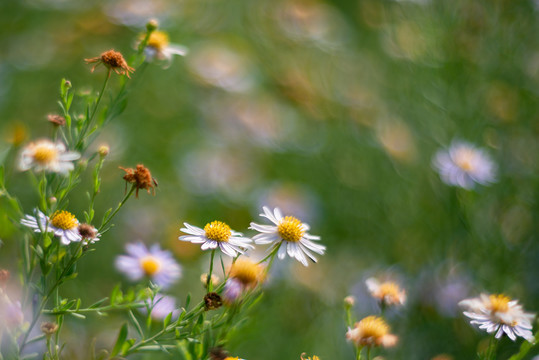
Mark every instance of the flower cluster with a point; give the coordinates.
(288, 235)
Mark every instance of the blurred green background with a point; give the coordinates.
(331, 111)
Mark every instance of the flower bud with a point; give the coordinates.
(152, 25)
(49, 328)
(103, 150)
(349, 301)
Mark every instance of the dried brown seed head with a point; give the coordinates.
(87, 231)
(113, 60)
(56, 120)
(141, 178)
(212, 301)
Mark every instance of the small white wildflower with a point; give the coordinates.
(463, 165)
(62, 224)
(217, 234)
(45, 155)
(499, 314)
(157, 264)
(289, 234)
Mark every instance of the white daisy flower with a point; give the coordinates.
(159, 48)
(387, 292)
(45, 155)
(217, 234)
(463, 165)
(157, 264)
(161, 305)
(62, 224)
(289, 235)
(371, 331)
(499, 314)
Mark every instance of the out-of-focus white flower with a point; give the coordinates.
(387, 292)
(498, 313)
(463, 165)
(157, 264)
(371, 331)
(161, 305)
(289, 235)
(159, 48)
(220, 66)
(44, 155)
(62, 224)
(217, 234)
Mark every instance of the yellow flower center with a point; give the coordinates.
(464, 159)
(64, 220)
(158, 40)
(373, 327)
(499, 303)
(150, 265)
(218, 231)
(231, 358)
(246, 271)
(389, 289)
(44, 154)
(290, 229)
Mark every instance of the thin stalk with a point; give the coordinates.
(209, 284)
(111, 216)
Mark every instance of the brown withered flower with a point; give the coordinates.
(218, 353)
(141, 178)
(49, 328)
(4, 277)
(114, 61)
(212, 301)
(56, 120)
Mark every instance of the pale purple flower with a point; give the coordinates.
(154, 263)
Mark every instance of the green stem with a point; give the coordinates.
(47, 296)
(209, 284)
(109, 218)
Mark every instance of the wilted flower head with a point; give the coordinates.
(113, 60)
(371, 331)
(141, 178)
(212, 301)
(217, 234)
(88, 233)
(498, 313)
(44, 155)
(49, 328)
(463, 165)
(4, 277)
(288, 234)
(157, 264)
(387, 292)
(159, 48)
(62, 224)
(56, 119)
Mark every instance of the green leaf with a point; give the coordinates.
(98, 303)
(167, 320)
(136, 324)
(116, 295)
(122, 335)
